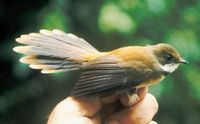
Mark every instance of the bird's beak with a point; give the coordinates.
(183, 61)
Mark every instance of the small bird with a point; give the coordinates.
(117, 71)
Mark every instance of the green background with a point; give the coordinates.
(27, 96)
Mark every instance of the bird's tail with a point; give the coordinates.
(55, 51)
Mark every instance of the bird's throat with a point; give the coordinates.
(169, 68)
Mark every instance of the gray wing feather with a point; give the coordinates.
(99, 75)
(104, 74)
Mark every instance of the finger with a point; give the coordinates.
(125, 99)
(78, 106)
(111, 108)
(69, 120)
(56, 118)
(109, 98)
(83, 120)
(140, 113)
(71, 108)
(129, 100)
(85, 106)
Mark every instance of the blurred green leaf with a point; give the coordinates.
(141, 42)
(113, 19)
(191, 16)
(53, 18)
(192, 75)
(156, 6)
(129, 4)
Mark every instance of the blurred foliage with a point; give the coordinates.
(53, 18)
(26, 96)
(113, 19)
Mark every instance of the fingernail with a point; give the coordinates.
(152, 122)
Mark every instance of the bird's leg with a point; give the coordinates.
(133, 96)
(129, 97)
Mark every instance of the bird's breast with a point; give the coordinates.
(151, 81)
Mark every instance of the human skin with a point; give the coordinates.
(112, 110)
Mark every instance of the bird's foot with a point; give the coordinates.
(133, 96)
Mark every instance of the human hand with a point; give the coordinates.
(89, 110)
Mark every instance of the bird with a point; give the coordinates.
(118, 71)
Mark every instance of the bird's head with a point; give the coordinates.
(168, 57)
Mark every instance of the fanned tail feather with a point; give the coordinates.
(54, 51)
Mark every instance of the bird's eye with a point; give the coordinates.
(168, 57)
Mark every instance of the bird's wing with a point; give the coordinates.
(106, 73)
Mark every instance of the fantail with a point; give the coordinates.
(118, 70)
